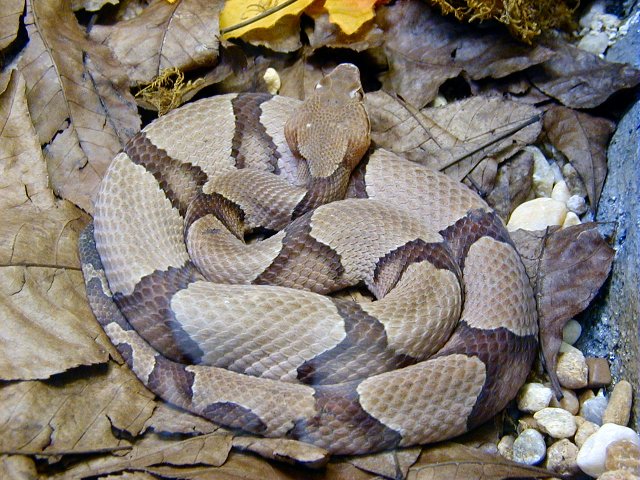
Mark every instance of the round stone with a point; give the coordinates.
(505, 446)
(568, 402)
(592, 454)
(572, 370)
(562, 457)
(556, 422)
(571, 332)
(533, 397)
(529, 448)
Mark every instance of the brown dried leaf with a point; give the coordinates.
(300, 79)
(513, 184)
(284, 450)
(324, 33)
(10, 21)
(393, 464)
(42, 302)
(67, 414)
(452, 461)
(17, 467)
(424, 49)
(580, 79)
(206, 450)
(182, 34)
(567, 268)
(455, 137)
(583, 139)
(240, 466)
(78, 100)
(167, 419)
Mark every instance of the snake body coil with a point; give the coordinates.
(258, 335)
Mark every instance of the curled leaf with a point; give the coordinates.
(453, 461)
(583, 139)
(239, 17)
(567, 268)
(580, 79)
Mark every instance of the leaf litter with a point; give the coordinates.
(466, 100)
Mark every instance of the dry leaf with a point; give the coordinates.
(181, 35)
(10, 21)
(580, 79)
(206, 450)
(17, 467)
(42, 301)
(284, 450)
(67, 414)
(583, 139)
(425, 49)
(394, 464)
(351, 15)
(513, 184)
(78, 100)
(452, 461)
(455, 137)
(567, 268)
(167, 419)
(324, 33)
(275, 24)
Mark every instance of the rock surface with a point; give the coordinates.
(611, 327)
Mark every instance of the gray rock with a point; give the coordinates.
(611, 327)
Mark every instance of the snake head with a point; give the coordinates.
(331, 128)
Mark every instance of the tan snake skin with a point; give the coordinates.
(225, 236)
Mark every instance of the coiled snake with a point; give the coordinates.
(225, 235)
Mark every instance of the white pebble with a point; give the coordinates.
(439, 101)
(593, 408)
(571, 332)
(577, 204)
(529, 448)
(543, 177)
(537, 214)
(533, 397)
(592, 454)
(570, 220)
(556, 422)
(561, 192)
(594, 42)
(272, 79)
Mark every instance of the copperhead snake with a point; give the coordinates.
(225, 236)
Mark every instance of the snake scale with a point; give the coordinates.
(228, 238)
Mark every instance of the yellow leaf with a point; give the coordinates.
(350, 15)
(241, 16)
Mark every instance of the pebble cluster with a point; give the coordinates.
(598, 29)
(586, 431)
(560, 197)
